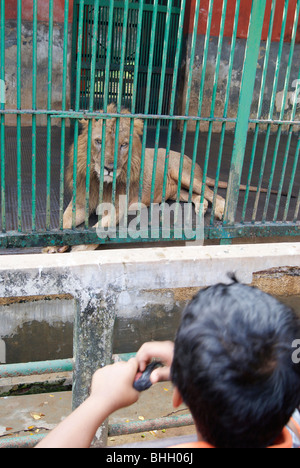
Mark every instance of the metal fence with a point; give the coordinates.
(240, 125)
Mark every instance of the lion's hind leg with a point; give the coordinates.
(197, 187)
(196, 199)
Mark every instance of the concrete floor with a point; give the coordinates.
(17, 415)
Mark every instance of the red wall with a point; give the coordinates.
(43, 15)
(43, 10)
(244, 16)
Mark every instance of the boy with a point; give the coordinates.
(231, 364)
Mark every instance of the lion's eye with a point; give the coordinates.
(98, 142)
(124, 146)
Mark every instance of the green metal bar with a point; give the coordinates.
(19, 137)
(133, 104)
(77, 105)
(135, 427)
(260, 104)
(188, 97)
(271, 110)
(82, 114)
(119, 100)
(106, 94)
(16, 239)
(172, 104)
(292, 180)
(285, 160)
(2, 116)
(36, 368)
(245, 100)
(63, 122)
(49, 106)
(34, 105)
(297, 210)
(225, 112)
(213, 101)
(286, 84)
(160, 102)
(91, 107)
(147, 98)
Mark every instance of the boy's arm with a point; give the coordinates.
(112, 389)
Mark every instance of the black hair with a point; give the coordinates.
(233, 365)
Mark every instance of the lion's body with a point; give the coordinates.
(171, 189)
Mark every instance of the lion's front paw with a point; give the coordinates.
(197, 202)
(220, 209)
(83, 248)
(54, 249)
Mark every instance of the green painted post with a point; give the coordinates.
(2, 116)
(245, 101)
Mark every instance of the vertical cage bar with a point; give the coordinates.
(160, 101)
(106, 93)
(271, 110)
(120, 93)
(94, 41)
(77, 105)
(49, 105)
(188, 97)
(63, 121)
(172, 103)
(2, 116)
(133, 104)
(147, 99)
(225, 112)
(245, 100)
(213, 101)
(260, 104)
(34, 104)
(297, 209)
(19, 87)
(292, 180)
(286, 155)
(286, 84)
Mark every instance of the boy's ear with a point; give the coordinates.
(177, 398)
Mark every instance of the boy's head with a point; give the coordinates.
(233, 365)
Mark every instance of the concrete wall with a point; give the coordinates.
(236, 81)
(39, 329)
(42, 69)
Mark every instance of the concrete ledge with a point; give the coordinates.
(155, 268)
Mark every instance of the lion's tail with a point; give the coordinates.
(223, 185)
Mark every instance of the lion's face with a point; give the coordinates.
(121, 151)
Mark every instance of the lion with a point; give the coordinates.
(121, 175)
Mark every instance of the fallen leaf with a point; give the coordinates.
(141, 418)
(9, 429)
(30, 428)
(37, 416)
(166, 389)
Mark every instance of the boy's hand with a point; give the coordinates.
(164, 351)
(114, 384)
